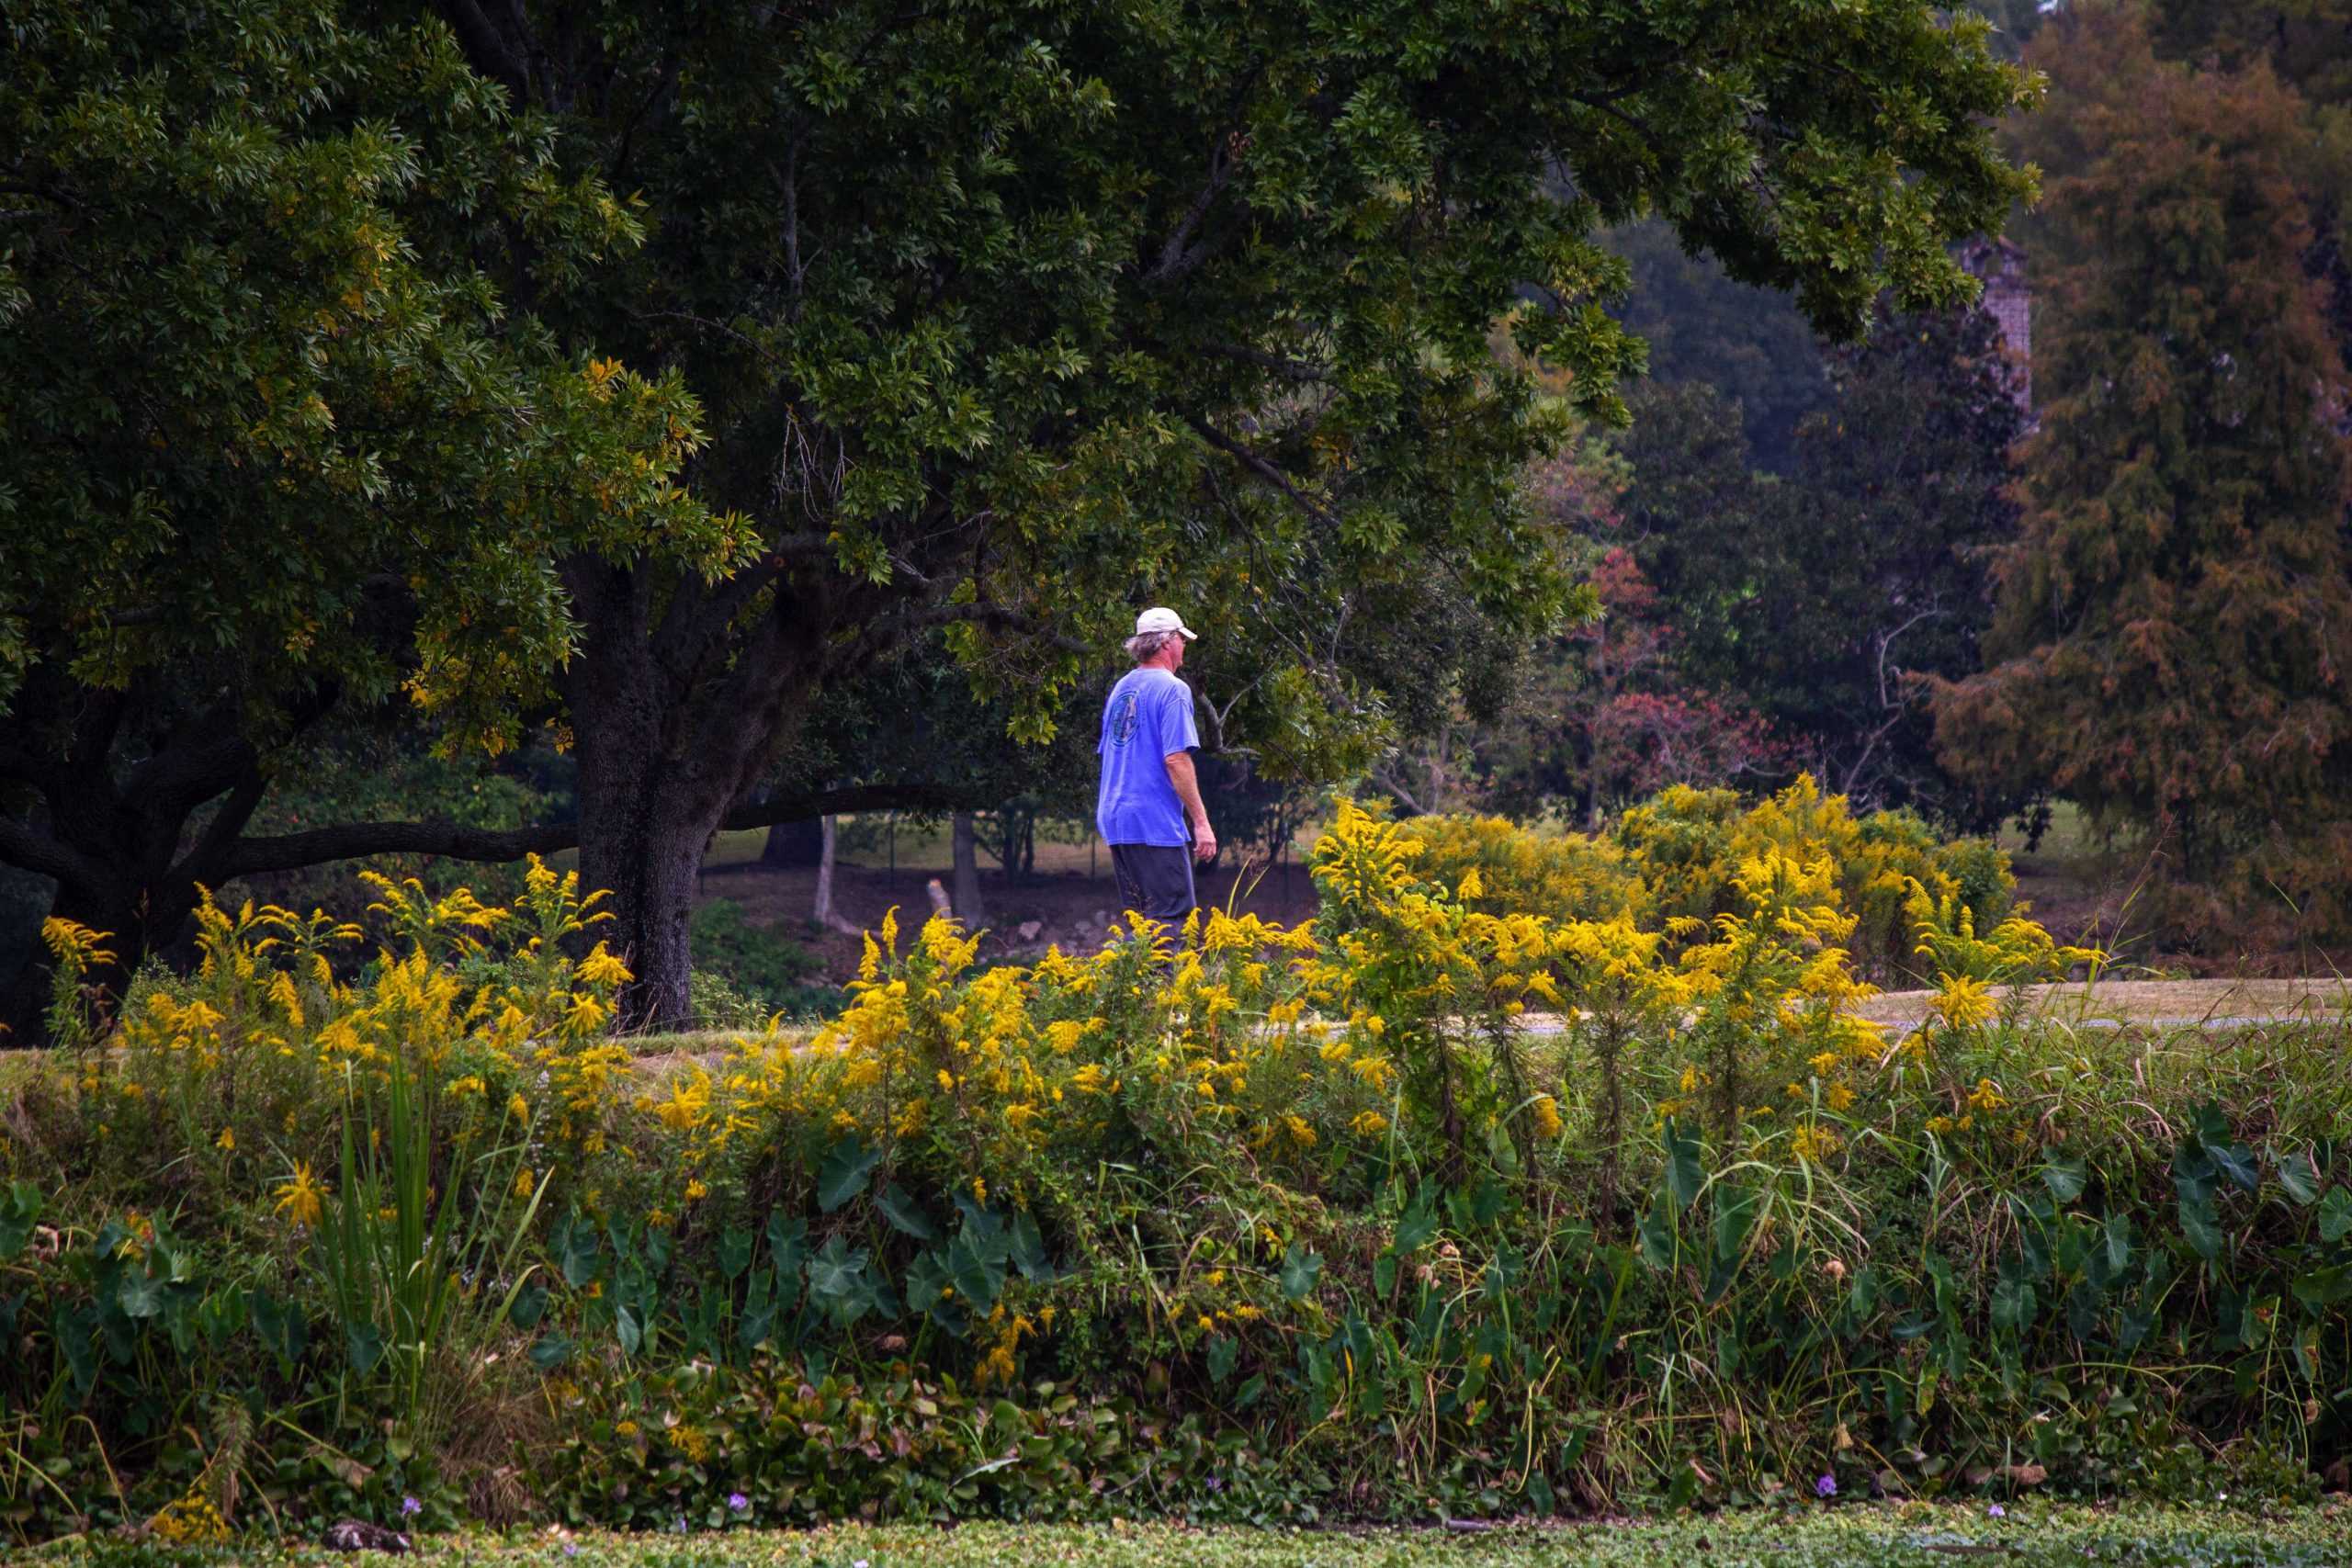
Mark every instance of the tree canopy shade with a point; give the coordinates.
(268, 441)
(2176, 616)
(1009, 317)
(1750, 345)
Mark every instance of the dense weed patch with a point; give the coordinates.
(1236, 1223)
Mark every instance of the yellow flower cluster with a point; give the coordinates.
(190, 1520)
(988, 1078)
(264, 1045)
(1764, 992)
(1967, 966)
(1687, 848)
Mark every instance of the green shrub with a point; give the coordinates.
(1687, 847)
(745, 972)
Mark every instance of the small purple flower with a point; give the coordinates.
(681, 1526)
(410, 1507)
(737, 1502)
(572, 1549)
(1825, 1487)
(1216, 1483)
(1996, 1512)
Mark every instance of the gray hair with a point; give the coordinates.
(1144, 645)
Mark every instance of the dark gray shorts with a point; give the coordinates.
(1155, 879)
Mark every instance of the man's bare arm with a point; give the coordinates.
(1188, 790)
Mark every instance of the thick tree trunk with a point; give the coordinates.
(647, 859)
(647, 813)
(136, 919)
(668, 742)
(967, 874)
(116, 841)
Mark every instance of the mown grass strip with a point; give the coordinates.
(2027, 1536)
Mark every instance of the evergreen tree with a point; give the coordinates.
(2174, 618)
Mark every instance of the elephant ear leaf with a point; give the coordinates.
(2299, 1175)
(906, 1215)
(1685, 1176)
(2201, 1226)
(842, 1175)
(19, 1208)
(837, 1282)
(1029, 1251)
(1301, 1268)
(2065, 1174)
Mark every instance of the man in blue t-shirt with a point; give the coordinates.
(1149, 793)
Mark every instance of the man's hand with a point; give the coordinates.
(1188, 791)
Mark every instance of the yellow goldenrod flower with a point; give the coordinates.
(1809, 1142)
(602, 967)
(1962, 1002)
(1546, 1112)
(301, 1199)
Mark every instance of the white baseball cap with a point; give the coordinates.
(1160, 618)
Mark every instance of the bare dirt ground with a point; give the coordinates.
(1067, 906)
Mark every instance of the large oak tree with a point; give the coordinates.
(1009, 317)
(270, 443)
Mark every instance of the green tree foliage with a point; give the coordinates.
(1692, 512)
(1822, 599)
(1900, 491)
(1751, 344)
(1621, 718)
(1008, 318)
(268, 444)
(2307, 42)
(1604, 713)
(2176, 616)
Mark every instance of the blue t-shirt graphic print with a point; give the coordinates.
(1147, 719)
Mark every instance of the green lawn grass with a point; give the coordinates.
(1861, 1536)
